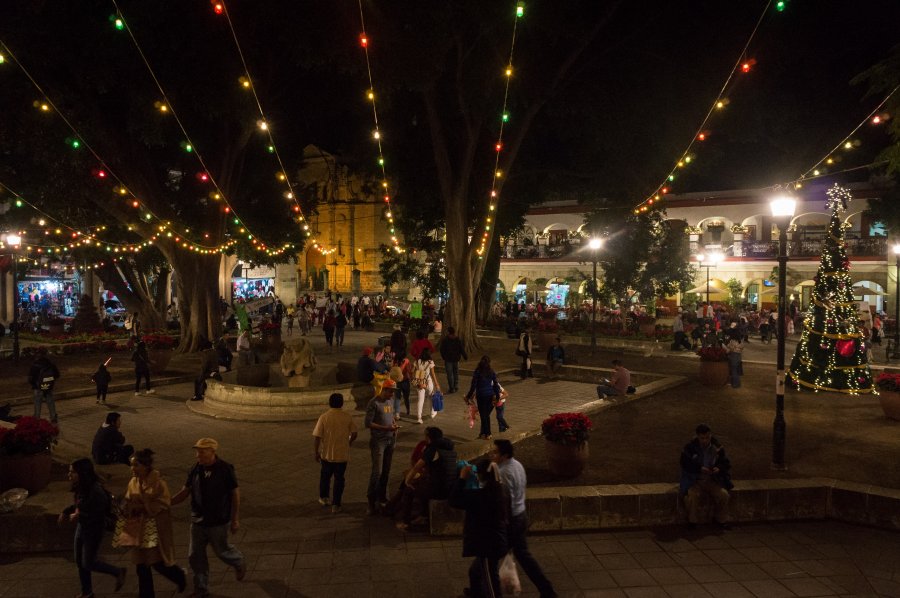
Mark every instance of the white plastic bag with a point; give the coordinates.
(509, 576)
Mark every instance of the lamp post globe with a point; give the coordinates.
(782, 207)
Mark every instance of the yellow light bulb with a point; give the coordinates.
(371, 95)
(509, 71)
(376, 135)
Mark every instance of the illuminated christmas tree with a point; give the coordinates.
(831, 354)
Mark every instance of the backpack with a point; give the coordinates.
(420, 374)
(46, 377)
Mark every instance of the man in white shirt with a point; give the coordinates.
(513, 475)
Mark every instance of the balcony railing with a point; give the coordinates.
(868, 247)
(524, 252)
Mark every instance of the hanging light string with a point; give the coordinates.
(700, 134)
(220, 7)
(19, 201)
(491, 215)
(820, 168)
(385, 188)
(105, 170)
(219, 194)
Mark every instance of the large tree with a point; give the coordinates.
(92, 72)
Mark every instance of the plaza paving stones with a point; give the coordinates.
(298, 549)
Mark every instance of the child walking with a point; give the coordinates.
(102, 378)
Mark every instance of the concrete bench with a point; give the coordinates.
(582, 508)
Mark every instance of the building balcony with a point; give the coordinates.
(812, 248)
(530, 252)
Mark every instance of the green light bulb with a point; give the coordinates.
(381, 161)
(236, 221)
(120, 24)
(520, 10)
(780, 5)
(271, 149)
(18, 203)
(506, 117)
(188, 147)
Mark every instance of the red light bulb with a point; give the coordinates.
(499, 146)
(101, 174)
(218, 8)
(363, 40)
(701, 137)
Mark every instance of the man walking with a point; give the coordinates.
(513, 474)
(215, 504)
(705, 469)
(42, 377)
(452, 351)
(383, 429)
(333, 435)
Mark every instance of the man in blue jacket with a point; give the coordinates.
(705, 469)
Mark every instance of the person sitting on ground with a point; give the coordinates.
(705, 469)
(619, 384)
(109, 442)
(556, 356)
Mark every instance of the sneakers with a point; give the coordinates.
(335, 509)
(137, 394)
(150, 392)
(419, 421)
(324, 501)
(240, 571)
(401, 526)
(433, 414)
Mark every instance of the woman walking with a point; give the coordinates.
(486, 391)
(485, 529)
(88, 512)
(328, 327)
(148, 497)
(425, 381)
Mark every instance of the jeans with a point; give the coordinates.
(485, 406)
(382, 451)
(41, 396)
(138, 374)
(87, 544)
(518, 525)
(329, 337)
(336, 469)
(403, 387)
(452, 368)
(501, 421)
(735, 369)
(484, 577)
(217, 537)
(173, 573)
(681, 341)
(606, 389)
(101, 392)
(339, 336)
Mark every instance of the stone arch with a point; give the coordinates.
(720, 236)
(874, 300)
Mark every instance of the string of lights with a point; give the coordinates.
(876, 117)
(165, 106)
(246, 82)
(490, 216)
(376, 134)
(745, 64)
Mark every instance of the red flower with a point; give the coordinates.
(567, 428)
(31, 435)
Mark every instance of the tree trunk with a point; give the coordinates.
(130, 288)
(197, 291)
(486, 294)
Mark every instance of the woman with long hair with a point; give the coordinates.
(148, 497)
(88, 512)
(486, 391)
(485, 528)
(425, 381)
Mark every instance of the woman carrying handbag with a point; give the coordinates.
(425, 381)
(147, 500)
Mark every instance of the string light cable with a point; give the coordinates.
(104, 171)
(364, 43)
(817, 169)
(700, 134)
(220, 194)
(496, 184)
(220, 7)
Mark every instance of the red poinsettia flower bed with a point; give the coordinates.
(713, 353)
(30, 436)
(886, 381)
(567, 428)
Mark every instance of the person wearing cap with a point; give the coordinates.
(215, 504)
(333, 434)
(383, 437)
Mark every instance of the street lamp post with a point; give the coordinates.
(896, 347)
(782, 212)
(708, 262)
(594, 245)
(13, 241)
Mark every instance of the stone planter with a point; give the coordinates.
(31, 472)
(713, 373)
(890, 403)
(159, 360)
(648, 329)
(566, 460)
(56, 329)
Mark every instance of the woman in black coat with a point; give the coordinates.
(89, 513)
(484, 531)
